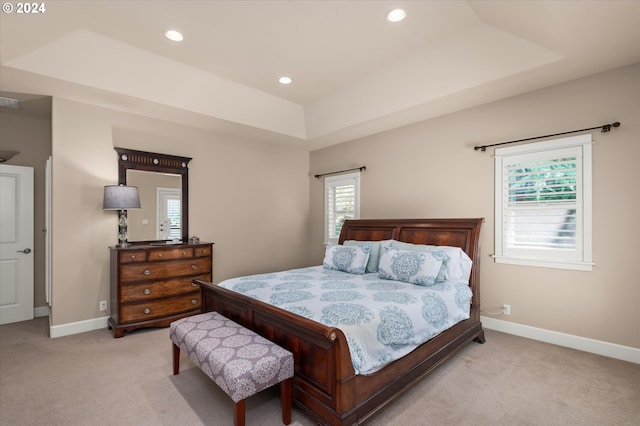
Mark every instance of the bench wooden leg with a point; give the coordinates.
(238, 417)
(285, 400)
(176, 359)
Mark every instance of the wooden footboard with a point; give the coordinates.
(322, 363)
(325, 383)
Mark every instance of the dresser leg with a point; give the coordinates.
(117, 331)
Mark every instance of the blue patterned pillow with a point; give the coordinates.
(442, 273)
(374, 255)
(409, 266)
(351, 259)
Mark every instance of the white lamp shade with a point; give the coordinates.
(120, 197)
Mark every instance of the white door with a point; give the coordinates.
(16, 243)
(168, 211)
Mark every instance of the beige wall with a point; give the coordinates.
(30, 136)
(431, 170)
(249, 198)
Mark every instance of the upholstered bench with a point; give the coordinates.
(239, 361)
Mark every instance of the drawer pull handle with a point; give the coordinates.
(159, 254)
(194, 301)
(147, 310)
(194, 285)
(133, 256)
(194, 267)
(183, 253)
(147, 272)
(147, 291)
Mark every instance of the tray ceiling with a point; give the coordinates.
(353, 72)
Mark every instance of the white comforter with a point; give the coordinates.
(382, 320)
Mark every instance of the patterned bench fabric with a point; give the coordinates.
(241, 362)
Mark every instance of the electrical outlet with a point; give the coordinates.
(103, 305)
(506, 309)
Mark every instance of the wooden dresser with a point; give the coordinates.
(151, 286)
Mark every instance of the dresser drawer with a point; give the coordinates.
(156, 270)
(147, 291)
(169, 254)
(132, 312)
(130, 256)
(202, 251)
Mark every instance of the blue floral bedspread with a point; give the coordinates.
(383, 320)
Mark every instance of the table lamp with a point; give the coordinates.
(123, 198)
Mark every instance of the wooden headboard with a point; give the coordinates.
(463, 233)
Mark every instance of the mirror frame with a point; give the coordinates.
(129, 159)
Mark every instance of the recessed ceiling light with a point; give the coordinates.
(173, 35)
(285, 80)
(396, 15)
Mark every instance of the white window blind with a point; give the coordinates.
(543, 204)
(341, 202)
(174, 206)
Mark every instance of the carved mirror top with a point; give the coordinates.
(129, 159)
(152, 161)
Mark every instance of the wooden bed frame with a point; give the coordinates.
(325, 384)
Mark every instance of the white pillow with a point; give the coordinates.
(351, 259)
(410, 266)
(459, 267)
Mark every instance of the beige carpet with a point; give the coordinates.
(93, 379)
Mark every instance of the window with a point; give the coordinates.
(341, 202)
(543, 204)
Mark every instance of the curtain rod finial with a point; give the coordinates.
(607, 127)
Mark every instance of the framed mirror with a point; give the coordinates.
(163, 187)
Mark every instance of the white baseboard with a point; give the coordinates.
(78, 327)
(40, 311)
(612, 350)
(599, 347)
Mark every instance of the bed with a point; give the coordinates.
(326, 385)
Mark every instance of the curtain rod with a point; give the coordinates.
(605, 128)
(361, 168)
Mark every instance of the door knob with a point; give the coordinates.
(25, 251)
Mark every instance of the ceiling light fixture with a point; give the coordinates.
(9, 103)
(173, 35)
(285, 80)
(396, 15)
(7, 155)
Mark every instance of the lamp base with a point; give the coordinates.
(122, 229)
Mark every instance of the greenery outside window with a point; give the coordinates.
(543, 204)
